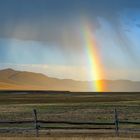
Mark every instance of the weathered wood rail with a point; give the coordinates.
(37, 124)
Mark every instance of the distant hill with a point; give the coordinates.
(22, 80)
(12, 80)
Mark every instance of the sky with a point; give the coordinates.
(46, 36)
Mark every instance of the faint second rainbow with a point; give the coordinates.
(94, 62)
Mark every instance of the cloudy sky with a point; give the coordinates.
(45, 36)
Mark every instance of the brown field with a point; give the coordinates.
(67, 106)
(67, 138)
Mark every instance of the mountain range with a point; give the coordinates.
(22, 80)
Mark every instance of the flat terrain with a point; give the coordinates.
(69, 138)
(69, 106)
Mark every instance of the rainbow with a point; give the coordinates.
(94, 63)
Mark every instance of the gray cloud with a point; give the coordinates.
(53, 21)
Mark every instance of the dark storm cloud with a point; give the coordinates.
(52, 21)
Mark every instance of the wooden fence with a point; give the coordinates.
(38, 124)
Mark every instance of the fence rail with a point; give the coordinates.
(77, 125)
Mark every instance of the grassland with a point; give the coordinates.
(67, 106)
(69, 138)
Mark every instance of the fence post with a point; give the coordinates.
(35, 122)
(116, 122)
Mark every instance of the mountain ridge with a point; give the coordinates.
(23, 80)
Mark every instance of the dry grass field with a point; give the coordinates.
(66, 138)
(68, 106)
